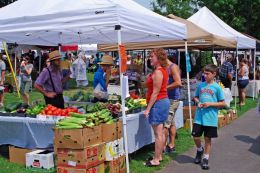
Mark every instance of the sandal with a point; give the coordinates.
(151, 158)
(149, 164)
(168, 149)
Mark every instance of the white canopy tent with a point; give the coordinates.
(48, 22)
(207, 20)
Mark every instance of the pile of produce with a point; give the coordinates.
(54, 111)
(115, 109)
(96, 107)
(81, 96)
(114, 98)
(16, 107)
(135, 104)
(85, 120)
(35, 110)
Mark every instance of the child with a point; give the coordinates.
(208, 97)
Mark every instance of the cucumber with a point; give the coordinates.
(69, 127)
(68, 124)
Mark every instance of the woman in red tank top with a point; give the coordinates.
(157, 110)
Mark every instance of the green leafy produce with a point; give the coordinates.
(12, 106)
(81, 96)
(35, 110)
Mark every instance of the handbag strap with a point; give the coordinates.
(51, 80)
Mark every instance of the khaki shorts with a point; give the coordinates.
(25, 87)
(173, 108)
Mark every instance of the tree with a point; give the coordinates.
(5, 2)
(181, 8)
(242, 15)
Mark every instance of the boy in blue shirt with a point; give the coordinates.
(209, 97)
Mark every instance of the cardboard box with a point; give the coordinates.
(77, 138)
(114, 149)
(229, 118)
(186, 113)
(111, 132)
(222, 121)
(116, 166)
(187, 123)
(97, 169)
(42, 159)
(17, 155)
(82, 158)
(234, 116)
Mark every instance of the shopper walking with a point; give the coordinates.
(209, 97)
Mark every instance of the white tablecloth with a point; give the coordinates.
(249, 88)
(139, 131)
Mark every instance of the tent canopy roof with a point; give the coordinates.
(48, 22)
(196, 37)
(207, 20)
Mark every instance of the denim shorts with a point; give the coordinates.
(242, 83)
(159, 112)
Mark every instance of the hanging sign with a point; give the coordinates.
(188, 65)
(123, 58)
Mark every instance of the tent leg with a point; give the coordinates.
(179, 58)
(236, 78)
(123, 103)
(255, 93)
(188, 81)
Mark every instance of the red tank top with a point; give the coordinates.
(163, 92)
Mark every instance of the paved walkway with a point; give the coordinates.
(237, 150)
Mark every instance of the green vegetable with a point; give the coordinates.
(69, 127)
(12, 106)
(107, 170)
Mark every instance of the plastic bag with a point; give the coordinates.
(100, 93)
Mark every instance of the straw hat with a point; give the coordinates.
(54, 55)
(107, 60)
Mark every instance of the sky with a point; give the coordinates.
(145, 3)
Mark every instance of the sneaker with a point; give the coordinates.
(199, 156)
(169, 149)
(205, 164)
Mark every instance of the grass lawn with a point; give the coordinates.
(183, 143)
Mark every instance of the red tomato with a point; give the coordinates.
(53, 109)
(75, 109)
(49, 112)
(58, 112)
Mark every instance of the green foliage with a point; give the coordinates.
(206, 58)
(5, 2)
(181, 8)
(242, 15)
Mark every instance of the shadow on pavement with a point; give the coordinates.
(183, 159)
(255, 148)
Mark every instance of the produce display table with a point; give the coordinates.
(34, 133)
(249, 88)
(140, 132)
(26, 132)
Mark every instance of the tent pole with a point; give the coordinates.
(123, 99)
(179, 57)
(236, 78)
(255, 93)
(144, 61)
(15, 63)
(188, 81)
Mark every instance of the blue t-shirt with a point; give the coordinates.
(208, 93)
